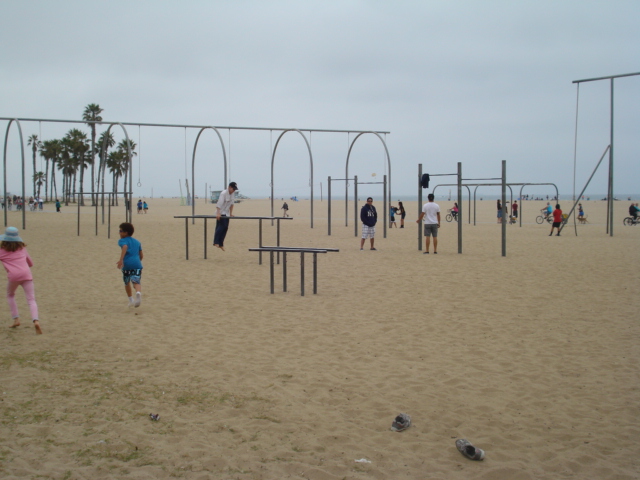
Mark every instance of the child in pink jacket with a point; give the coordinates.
(16, 261)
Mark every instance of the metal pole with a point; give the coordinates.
(260, 243)
(186, 236)
(329, 205)
(315, 272)
(459, 207)
(610, 205)
(284, 271)
(271, 270)
(302, 274)
(384, 194)
(108, 216)
(96, 213)
(355, 204)
(78, 214)
(419, 206)
(278, 240)
(205, 234)
(504, 198)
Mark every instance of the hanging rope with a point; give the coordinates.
(139, 156)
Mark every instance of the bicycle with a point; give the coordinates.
(631, 221)
(451, 216)
(541, 218)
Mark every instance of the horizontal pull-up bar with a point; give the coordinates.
(442, 174)
(206, 217)
(606, 78)
(234, 217)
(474, 179)
(103, 122)
(302, 251)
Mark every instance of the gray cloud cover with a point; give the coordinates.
(468, 81)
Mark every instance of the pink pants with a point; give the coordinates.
(29, 291)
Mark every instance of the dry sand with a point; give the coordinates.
(532, 357)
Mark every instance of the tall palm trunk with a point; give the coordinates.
(94, 197)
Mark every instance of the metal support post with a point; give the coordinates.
(460, 207)
(329, 205)
(302, 274)
(504, 198)
(419, 205)
(384, 203)
(355, 204)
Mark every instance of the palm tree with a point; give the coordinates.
(115, 163)
(92, 114)
(39, 178)
(66, 165)
(122, 146)
(107, 142)
(35, 145)
(48, 151)
(79, 147)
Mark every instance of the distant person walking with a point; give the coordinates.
(514, 209)
(499, 212)
(431, 215)
(224, 210)
(139, 205)
(57, 205)
(17, 262)
(285, 209)
(557, 220)
(145, 207)
(369, 218)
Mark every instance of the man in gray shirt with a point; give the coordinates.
(224, 210)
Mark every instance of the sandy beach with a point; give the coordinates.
(532, 357)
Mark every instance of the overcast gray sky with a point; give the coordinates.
(469, 81)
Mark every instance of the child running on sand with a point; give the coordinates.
(16, 261)
(131, 263)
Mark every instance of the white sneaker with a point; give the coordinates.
(138, 300)
(131, 303)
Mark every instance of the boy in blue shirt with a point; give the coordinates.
(130, 262)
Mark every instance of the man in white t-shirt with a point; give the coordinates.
(224, 210)
(431, 215)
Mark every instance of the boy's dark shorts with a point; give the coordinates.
(132, 276)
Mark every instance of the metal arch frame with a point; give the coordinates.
(509, 185)
(273, 157)
(193, 167)
(128, 207)
(525, 184)
(455, 185)
(4, 170)
(346, 169)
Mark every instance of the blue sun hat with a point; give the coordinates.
(11, 234)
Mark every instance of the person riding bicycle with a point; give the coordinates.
(455, 210)
(547, 211)
(634, 211)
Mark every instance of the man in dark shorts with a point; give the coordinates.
(431, 215)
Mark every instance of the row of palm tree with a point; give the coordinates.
(73, 153)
